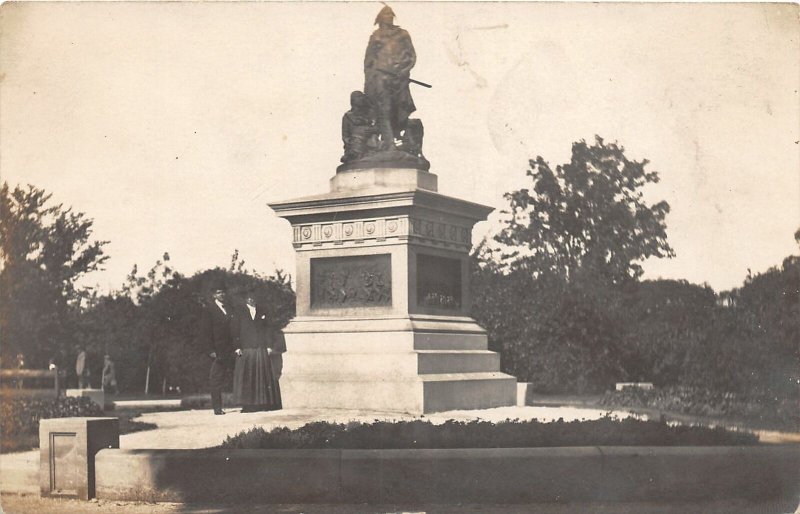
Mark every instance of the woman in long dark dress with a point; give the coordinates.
(255, 384)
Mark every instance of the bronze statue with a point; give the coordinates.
(376, 131)
(359, 133)
(387, 64)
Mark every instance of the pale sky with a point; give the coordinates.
(173, 124)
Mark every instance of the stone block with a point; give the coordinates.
(488, 475)
(383, 394)
(699, 473)
(372, 178)
(524, 394)
(521, 476)
(456, 391)
(457, 361)
(98, 396)
(67, 450)
(220, 476)
(636, 385)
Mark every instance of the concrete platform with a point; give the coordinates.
(162, 403)
(486, 475)
(191, 429)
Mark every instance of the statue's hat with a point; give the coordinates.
(386, 10)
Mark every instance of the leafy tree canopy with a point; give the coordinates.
(588, 215)
(45, 249)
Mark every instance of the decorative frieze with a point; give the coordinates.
(380, 229)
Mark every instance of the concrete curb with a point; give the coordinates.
(504, 475)
(147, 404)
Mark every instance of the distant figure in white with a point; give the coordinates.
(81, 369)
(109, 383)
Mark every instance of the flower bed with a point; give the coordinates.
(763, 411)
(482, 434)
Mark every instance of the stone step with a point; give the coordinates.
(349, 365)
(456, 361)
(381, 342)
(389, 364)
(426, 393)
(449, 341)
(353, 393)
(463, 391)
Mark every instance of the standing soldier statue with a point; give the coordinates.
(387, 64)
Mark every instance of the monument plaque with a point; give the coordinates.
(382, 290)
(356, 281)
(438, 282)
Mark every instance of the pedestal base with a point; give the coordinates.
(414, 365)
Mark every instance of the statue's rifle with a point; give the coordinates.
(397, 75)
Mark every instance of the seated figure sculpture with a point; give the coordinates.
(359, 133)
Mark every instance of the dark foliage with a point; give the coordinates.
(578, 336)
(155, 320)
(661, 321)
(563, 303)
(752, 344)
(45, 249)
(561, 336)
(20, 416)
(587, 215)
(760, 410)
(483, 434)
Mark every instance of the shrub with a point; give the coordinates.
(770, 411)
(563, 337)
(20, 416)
(482, 434)
(581, 335)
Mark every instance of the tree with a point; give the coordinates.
(587, 215)
(662, 321)
(150, 326)
(45, 249)
(554, 301)
(752, 345)
(560, 336)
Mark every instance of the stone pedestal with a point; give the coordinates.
(383, 299)
(67, 450)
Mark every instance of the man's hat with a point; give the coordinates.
(386, 10)
(215, 284)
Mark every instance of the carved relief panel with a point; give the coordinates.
(356, 281)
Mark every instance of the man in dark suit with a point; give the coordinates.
(215, 330)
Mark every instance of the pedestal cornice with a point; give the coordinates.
(387, 198)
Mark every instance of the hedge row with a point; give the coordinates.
(19, 417)
(483, 434)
